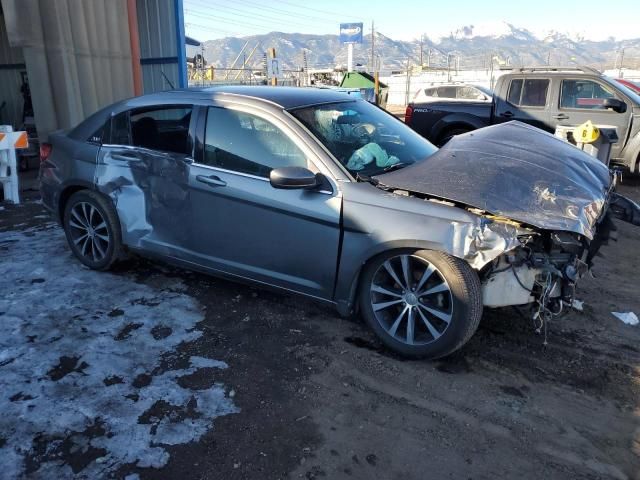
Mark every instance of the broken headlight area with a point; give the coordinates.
(542, 272)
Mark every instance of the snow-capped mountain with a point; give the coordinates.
(470, 46)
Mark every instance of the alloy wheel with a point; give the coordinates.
(89, 231)
(411, 300)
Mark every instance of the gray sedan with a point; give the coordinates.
(313, 192)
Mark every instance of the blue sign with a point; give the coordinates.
(351, 33)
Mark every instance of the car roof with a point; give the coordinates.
(285, 97)
(278, 97)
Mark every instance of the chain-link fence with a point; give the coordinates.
(212, 76)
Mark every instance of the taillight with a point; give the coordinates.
(45, 151)
(408, 114)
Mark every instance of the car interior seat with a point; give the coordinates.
(145, 133)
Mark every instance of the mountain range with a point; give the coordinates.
(469, 47)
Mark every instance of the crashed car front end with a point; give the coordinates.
(545, 208)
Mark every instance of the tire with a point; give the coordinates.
(446, 307)
(449, 134)
(92, 229)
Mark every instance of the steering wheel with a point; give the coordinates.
(365, 132)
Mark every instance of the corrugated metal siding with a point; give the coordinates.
(153, 81)
(10, 80)
(157, 30)
(77, 54)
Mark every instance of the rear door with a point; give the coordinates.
(581, 99)
(245, 227)
(144, 168)
(527, 100)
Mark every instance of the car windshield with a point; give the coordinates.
(364, 138)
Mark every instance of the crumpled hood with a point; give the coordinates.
(515, 171)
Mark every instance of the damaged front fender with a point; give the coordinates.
(482, 242)
(375, 223)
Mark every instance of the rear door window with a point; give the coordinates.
(530, 92)
(469, 93)
(165, 129)
(447, 92)
(515, 91)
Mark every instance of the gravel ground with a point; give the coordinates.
(305, 394)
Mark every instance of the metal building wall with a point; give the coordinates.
(159, 24)
(11, 64)
(77, 54)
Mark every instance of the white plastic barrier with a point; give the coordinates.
(10, 141)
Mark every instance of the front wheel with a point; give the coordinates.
(421, 303)
(92, 229)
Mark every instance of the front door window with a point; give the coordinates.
(244, 143)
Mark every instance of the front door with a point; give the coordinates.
(581, 100)
(144, 168)
(245, 227)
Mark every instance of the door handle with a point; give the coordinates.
(506, 114)
(211, 180)
(125, 157)
(561, 116)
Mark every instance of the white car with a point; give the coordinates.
(450, 91)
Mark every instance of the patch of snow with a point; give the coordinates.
(71, 345)
(629, 318)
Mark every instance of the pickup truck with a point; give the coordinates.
(546, 98)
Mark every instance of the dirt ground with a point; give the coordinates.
(318, 397)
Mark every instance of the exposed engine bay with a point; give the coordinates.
(542, 270)
(546, 209)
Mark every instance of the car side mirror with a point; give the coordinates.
(614, 104)
(290, 178)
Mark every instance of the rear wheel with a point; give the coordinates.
(92, 229)
(421, 303)
(449, 134)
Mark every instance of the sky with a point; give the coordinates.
(407, 19)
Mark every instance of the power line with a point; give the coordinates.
(228, 20)
(326, 12)
(243, 13)
(286, 15)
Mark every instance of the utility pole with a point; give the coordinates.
(408, 89)
(305, 63)
(421, 50)
(621, 62)
(373, 42)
